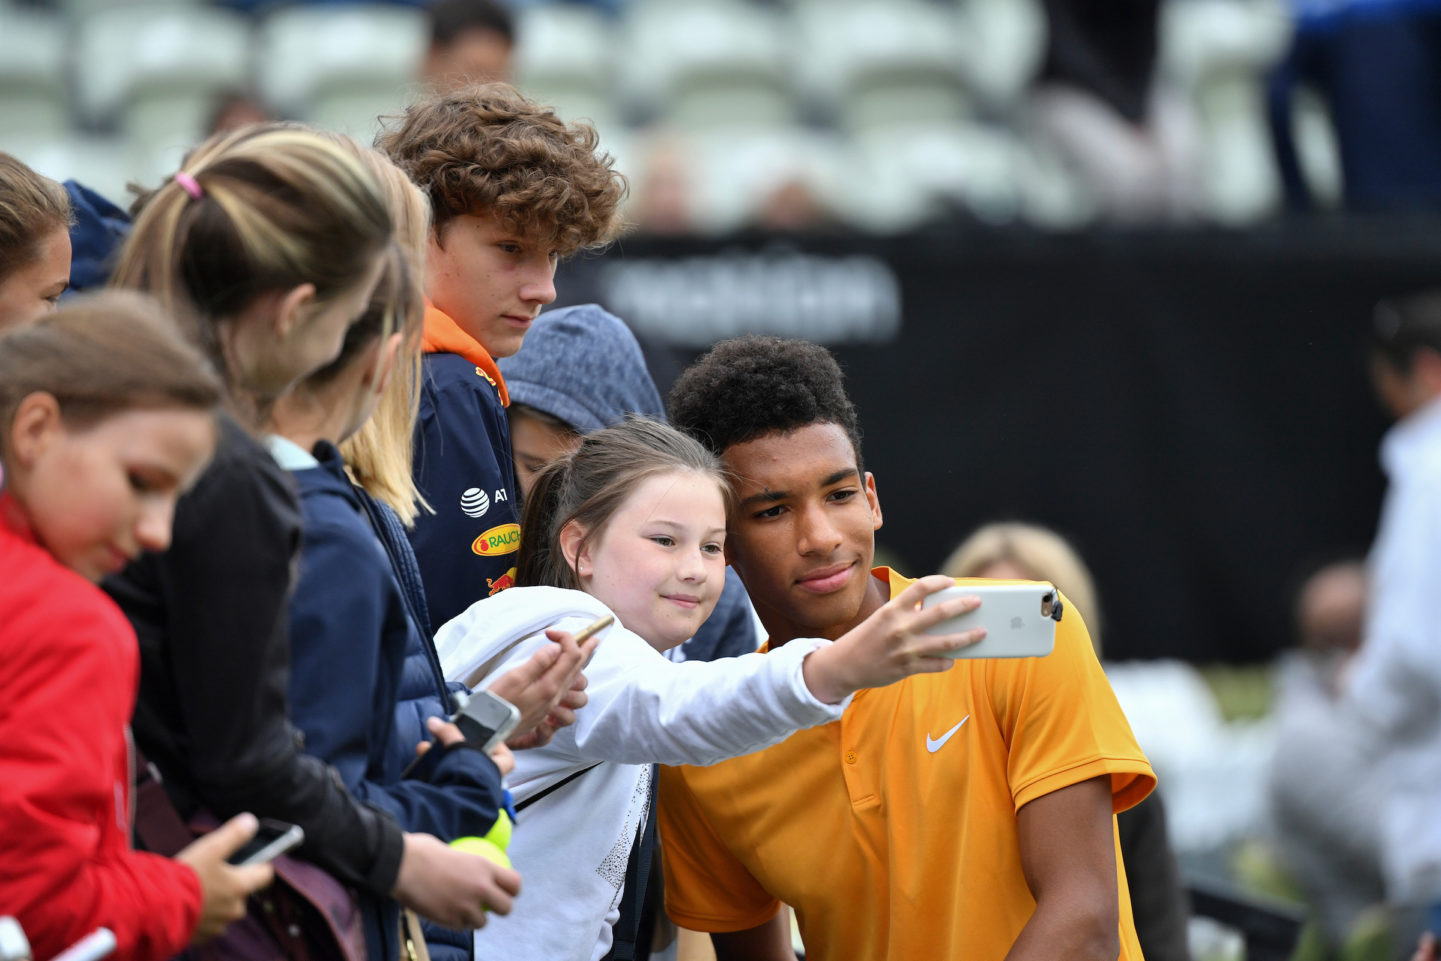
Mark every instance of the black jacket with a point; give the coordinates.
(211, 615)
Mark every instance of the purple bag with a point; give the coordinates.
(306, 915)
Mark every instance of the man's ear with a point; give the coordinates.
(873, 501)
(575, 549)
(37, 423)
(289, 311)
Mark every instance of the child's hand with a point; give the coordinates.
(547, 689)
(451, 887)
(889, 645)
(224, 886)
(503, 759)
(445, 734)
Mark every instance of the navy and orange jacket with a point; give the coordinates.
(463, 467)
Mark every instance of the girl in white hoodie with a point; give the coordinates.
(633, 524)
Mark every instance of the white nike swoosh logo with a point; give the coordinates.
(934, 746)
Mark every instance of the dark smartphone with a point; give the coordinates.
(273, 839)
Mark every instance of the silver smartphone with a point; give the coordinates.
(272, 839)
(484, 718)
(1020, 619)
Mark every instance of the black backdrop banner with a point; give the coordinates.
(1190, 408)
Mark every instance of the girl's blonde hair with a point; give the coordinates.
(31, 207)
(379, 455)
(255, 210)
(1039, 551)
(101, 355)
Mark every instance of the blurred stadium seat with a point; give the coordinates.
(1217, 50)
(1005, 41)
(933, 98)
(919, 173)
(101, 163)
(340, 66)
(77, 10)
(565, 57)
(152, 71)
(34, 100)
(877, 63)
(707, 64)
(740, 170)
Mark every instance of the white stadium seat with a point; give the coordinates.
(1216, 51)
(875, 63)
(155, 70)
(707, 64)
(33, 97)
(565, 58)
(101, 163)
(341, 66)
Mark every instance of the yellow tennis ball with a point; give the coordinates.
(499, 833)
(483, 848)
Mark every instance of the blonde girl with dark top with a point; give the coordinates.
(106, 418)
(267, 246)
(353, 624)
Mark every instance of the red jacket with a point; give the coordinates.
(69, 670)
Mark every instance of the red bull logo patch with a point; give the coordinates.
(504, 539)
(500, 583)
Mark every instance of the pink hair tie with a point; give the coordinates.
(189, 184)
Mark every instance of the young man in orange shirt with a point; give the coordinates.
(965, 814)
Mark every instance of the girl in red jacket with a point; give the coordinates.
(105, 418)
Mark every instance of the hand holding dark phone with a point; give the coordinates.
(272, 839)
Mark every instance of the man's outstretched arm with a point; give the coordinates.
(1068, 856)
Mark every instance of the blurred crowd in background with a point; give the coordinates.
(769, 113)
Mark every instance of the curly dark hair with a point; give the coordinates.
(486, 148)
(747, 387)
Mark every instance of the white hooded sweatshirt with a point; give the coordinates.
(572, 847)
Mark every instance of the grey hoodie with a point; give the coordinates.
(583, 366)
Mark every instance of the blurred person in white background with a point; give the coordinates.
(1322, 790)
(1395, 680)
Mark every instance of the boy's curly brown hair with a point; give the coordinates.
(487, 148)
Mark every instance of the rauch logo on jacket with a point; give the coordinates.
(504, 539)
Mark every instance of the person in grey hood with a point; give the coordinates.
(581, 370)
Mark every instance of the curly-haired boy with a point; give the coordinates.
(512, 188)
